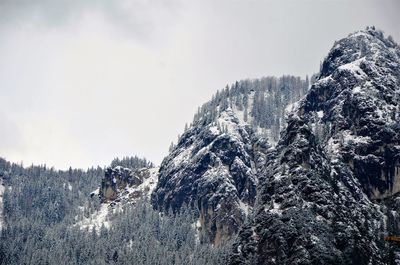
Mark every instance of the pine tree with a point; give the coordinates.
(171, 147)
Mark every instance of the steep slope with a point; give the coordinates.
(214, 166)
(213, 171)
(337, 158)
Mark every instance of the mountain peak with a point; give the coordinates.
(369, 44)
(336, 160)
(361, 75)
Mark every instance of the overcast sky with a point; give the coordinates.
(82, 82)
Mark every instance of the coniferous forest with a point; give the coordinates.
(42, 209)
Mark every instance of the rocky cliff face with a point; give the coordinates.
(214, 166)
(328, 193)
(120, 186)
(127, 185)
(212, 170)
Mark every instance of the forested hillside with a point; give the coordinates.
(260, 103)
(43, 207)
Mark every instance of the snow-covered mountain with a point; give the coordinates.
(323, 191)
(214, 166)
(330, 191)
(213, 170)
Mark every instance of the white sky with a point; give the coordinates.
(82, 82)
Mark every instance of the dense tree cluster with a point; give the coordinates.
(133, 162)
(42, 210)
(262, 102)
(39, 203)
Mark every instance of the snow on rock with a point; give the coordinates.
(120, 186)
(349, 138)
(244, 207)
(354, 68)
(329, 191)
(96, 192)
(127, 185)
(291, 108)
(356, 90)
(274, 209)
(183, 156)
(144, 189)
(212, 167)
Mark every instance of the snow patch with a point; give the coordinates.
(96, 192)
(151, 182)
(314, 240)
(145, 188)
(97, 219)
(67, 186)
(214, 130)
(229, 123)
(356, 89)
(354, 68)
(183, 156)
(197, 227)
(244, 207)
(333, 146)
(292, 107)
(325, 80)
(348, 137)
(278, 177)
(274, 209)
